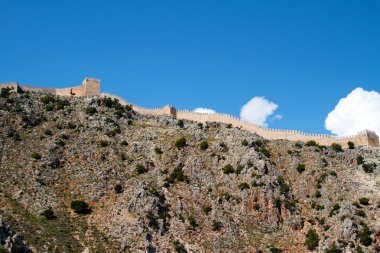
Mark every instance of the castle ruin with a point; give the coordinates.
(91, 87)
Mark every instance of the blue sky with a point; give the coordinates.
(302, 55)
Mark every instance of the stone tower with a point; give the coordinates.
(91, 87)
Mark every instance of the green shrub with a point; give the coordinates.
(284, 188)
(244, 142)
(200, 125)
(80, 207)
(158, 151)
(60, 143)
(312, 239)
(140, 169)
(361, 213)
(357, 205)
(180, 143)
(228, 169)
(36, 156)
(365, 236)
(317, 194)
(351, 145)
(48, 214)
(49, 108)
(61, 104)
(46, 99)
(273, 249)
(204, 145)
(216, 225)
(239, 169)
(176, 175)
(364, 201)
(48, 132)
(193, 223)
(265, 152)
(124, 143)
(91, 110)
(179, 247)
(5, 92)
(300, 168)
(359, 159)
(244, 186)
(103, 143)
(64, 137)
(118, 188)
(229, 126)
(180, 123)
(317, 206)
(369, 167)
(337, 147)
(312, 143)
(207, 209)
(333, 249)
(334, 210)
(71, 126)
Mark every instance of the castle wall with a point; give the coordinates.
(363, 138)
(13, 86)
(91, 87)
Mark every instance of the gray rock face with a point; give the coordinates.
(11, 241)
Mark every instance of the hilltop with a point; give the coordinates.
(88, 174)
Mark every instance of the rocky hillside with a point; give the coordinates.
(90, 175)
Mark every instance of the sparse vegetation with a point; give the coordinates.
(369, 167)
(244, 142)
(359, 159)
(158, 151)
(118, 188)
(216, 225)
(364, 201)
(48, 214)
(284, 187)
(103, 143)
(364, 235)
(80, 207)
(179, 247)
(351, 145)
(239, 169)
(334, 210)
(311, 143)
(228, 169)
(337, 147)
(312, 239)
(244, 186)
(181, 143)
(204, 145)
(300, 168)
(192, 221)
(140, 169)
(91, 110)
(36, 156)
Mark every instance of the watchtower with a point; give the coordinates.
(91, 87)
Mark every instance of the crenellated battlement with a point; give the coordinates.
(364, 138)
(91, 87)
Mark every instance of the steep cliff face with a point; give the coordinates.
(155, 184)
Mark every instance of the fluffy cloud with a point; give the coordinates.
(258, 110)
(358, 111)
(204, 110)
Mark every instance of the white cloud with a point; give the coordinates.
(204, 110)
(257, 111)
(358, 111)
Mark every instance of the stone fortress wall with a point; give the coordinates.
(365, 137)
(91, 87)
